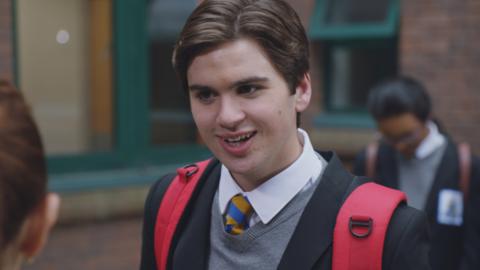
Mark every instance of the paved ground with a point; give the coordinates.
(106, 245)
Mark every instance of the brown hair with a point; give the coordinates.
(23, 175)
(273, 24)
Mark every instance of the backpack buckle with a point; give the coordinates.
(360, 226)
(187, 171)
(191, 169)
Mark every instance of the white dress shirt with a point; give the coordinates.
(273, 195)
(432, 142)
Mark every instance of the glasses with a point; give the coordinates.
(407, 139)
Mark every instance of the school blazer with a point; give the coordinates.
(452, 247)
(310, 247)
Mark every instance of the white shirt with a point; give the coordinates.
(432, 142)
(273, 195)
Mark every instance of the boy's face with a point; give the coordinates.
(244, 110)
(404, 132)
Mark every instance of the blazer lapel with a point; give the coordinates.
(314, 232)
(192, 249)
(445, 177)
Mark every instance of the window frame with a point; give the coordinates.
(350, 36)
(319, 29)
(132, 150)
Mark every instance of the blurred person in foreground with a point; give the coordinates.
(27, 211)
(415, 156)
(267, 200)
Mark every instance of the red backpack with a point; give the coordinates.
(359, 232)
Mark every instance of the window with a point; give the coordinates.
(170, 117)
(65, 72)
(98, 77)
(345, 12)
(354, 70)
(359, 47)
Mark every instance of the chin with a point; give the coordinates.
(408, 155)
(237, 165)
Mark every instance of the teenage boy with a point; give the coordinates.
(416, 157)
(267, 200)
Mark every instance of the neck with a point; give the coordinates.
(425, 132)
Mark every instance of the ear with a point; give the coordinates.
(303, 93)
(38, 225)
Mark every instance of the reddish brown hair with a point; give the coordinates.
(23, 175)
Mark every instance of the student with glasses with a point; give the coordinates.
(415, 156)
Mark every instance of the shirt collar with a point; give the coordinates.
(432, 142)
(269, 198)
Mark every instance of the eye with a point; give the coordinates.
(205, 96)
(248, 89)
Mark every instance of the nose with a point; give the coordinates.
(230, 114)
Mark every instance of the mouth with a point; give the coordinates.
(239, 139)
(237, 144)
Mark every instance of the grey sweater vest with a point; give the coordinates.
(262, 245)
(416, 176)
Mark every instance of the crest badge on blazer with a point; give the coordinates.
(450, 207)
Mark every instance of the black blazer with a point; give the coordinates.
(310, 247)
(452, 247)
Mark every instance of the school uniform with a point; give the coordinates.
(454, 223)
(305, 219)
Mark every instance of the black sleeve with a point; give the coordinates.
(359, 165)
(152, 203)
(471, 242)
(407, 241)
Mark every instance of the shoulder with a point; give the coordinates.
(158, 189)
(404, 219)
(406, 243)
(156, 192)
(377, 150)
(407, 240)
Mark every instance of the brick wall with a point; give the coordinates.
(439, 43)
(6, 69)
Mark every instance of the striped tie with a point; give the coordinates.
(238, 214)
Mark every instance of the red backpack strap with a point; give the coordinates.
(172, 206)
(371, 159)
(361, 227)
(465, 163)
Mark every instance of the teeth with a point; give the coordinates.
(238, 138)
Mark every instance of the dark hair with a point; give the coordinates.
(273, 24)
(23, 173)
(398, 96)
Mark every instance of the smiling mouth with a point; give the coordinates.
(239, 139)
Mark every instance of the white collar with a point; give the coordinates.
(269, 198)
(432, 142)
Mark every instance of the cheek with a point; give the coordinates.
(198, 116)
(204, 117)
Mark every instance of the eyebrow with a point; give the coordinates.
(248, 80)
(198, 87)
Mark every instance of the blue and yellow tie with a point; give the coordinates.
(238, 214)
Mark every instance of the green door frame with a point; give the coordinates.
(132, 148)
